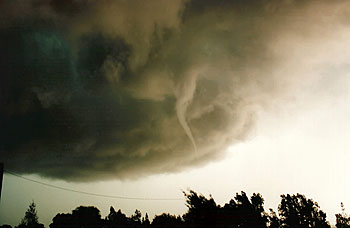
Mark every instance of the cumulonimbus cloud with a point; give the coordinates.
(120, 89)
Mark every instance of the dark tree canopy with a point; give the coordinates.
(242, 211)
(119, 219)
(30, 219)
(145, 221)
(167, 220)
(5, 226)
(342, 219)
(296, 211)
(136, 217)
(81, 217)
(272, 219)
(202, 212)
(239, 212)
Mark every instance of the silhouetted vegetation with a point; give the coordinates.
(5, 226)
(30, 219)
(81, 217)
(294, 211)
(167, 220)
(343, 220)
(297, 211)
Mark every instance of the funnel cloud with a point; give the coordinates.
(95, 90)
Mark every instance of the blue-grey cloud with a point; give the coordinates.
(114, 89)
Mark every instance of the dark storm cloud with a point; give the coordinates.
(119, 89)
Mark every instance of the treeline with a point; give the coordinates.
(294, 211)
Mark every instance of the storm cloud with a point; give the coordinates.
(95, 90)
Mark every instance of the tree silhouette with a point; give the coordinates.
(5, 226)
(62, 221)
(242, 212)
(81, 217)
(136, 217)
(342, 219)
(87, 216)
(239, 212)
(117, 219)
(145, 221)
(30, 219)
(272, 219)
(167, 220)
(202, 212)
(296, 211)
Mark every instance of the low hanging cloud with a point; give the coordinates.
(95, 90)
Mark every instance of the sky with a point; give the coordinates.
(148, 99)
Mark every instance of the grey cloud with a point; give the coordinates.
(96, 90)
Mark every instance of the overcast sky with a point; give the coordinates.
(147, 99)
